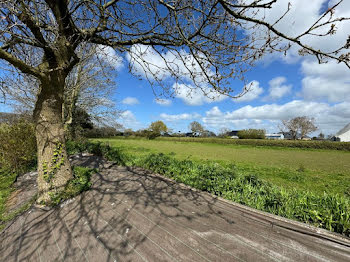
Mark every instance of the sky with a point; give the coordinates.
(282, 86)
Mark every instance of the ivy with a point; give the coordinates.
(56, 163)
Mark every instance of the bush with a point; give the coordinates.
(17, 146)
(101, 132)
(98, 149)
(147, 133)
(251, 134)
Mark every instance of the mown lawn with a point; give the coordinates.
(314, 170)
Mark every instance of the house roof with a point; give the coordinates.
(343, 130)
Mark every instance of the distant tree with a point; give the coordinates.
(223, 132)
(299, 125)
(291, 126)
(251, 134)
(81, 121)
(158, 127)
(321, 136)
(307, 126)
(128, 132)
(208, 133)
(196, 127)
(105, 131)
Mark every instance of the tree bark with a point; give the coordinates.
(54, 169)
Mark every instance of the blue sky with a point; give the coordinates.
(282, 86)
(136, 97)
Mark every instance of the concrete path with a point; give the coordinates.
(131, 215)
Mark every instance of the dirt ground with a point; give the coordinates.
(133, 215)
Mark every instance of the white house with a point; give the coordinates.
(274, 136)
(344, 134)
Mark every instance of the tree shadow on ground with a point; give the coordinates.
(122, 215)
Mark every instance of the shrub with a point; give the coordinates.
(17, 146)
(251, 134)
(147, 133)
(101, 132)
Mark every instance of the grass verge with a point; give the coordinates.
(326, 170)
(328, 211)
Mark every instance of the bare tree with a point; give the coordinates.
(223, 131)
(301, 125)
(307, 126)
(199, 42)
(291, 126)
(88, 87)
(196, 127)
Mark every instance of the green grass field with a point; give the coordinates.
(314, 170)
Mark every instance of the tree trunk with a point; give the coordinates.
(53, 164)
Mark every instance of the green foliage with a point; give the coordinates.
(57, 161)
(344, 146)
(17, 155)
(101, 132)
(17, 146)
(76, 146)
(196, 127)
(80, 182)
(98, 149)
(149, 134)
(80, 123)
(158, 127)
(6, 180)
(251, 134)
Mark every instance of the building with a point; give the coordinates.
(274, 136)
(344, 134)
(232, 133)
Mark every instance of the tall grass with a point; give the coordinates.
(329, 211)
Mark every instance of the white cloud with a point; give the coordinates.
(130, 101)
(301, 16)
(254, 91)
(329, 118)
(128, 120)
(194, 96)
(276, 112)
(190, 82)
(156, 65)
(163, 102)
(179, 117)
(329, 81)
(278, 89)
(110, 56)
